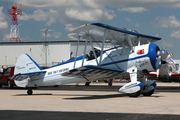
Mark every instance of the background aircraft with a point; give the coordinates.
(169, 70)
(131, 54)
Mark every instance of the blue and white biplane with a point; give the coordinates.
(129, 54)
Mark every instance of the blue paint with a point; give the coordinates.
(153, 84)
(69, 61)
(152, 55)
(34, 62)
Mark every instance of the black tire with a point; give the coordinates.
(110, 83)
(0, 86)
(9, 84)
(87, 83)
(148, 93)
(29, 92)
(136, 94)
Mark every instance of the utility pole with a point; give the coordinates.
(45, 46)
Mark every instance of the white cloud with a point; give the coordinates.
(128, 19)
(55, 35)
(6, 37)
(109, 14)
(146, 4)
(137, 25)
(48, 35)
(49, 16)
(90, 15)
(166, 44)
(84, 15)
(165, 22)
(176, 34)
(50, 21)
(69, 27)
(133, 9)
(25, 16)
(3, 22)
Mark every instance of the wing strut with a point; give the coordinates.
(139, 43)
(76, 51)
(84, 53)
(93, 49)
(102, 48)
(130, 42)
(113, 43)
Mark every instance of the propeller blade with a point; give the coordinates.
(157, 73)
(158, 63)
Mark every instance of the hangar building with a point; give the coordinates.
(57, 51)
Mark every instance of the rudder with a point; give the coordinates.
(26, 64)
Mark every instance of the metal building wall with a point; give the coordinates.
(56, 52)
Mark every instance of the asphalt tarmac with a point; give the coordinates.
(95, 102)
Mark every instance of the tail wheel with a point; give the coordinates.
(148, 93)
(29, 92)
(136, 94)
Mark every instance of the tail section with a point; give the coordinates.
(26, 64)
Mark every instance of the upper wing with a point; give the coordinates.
(97, 31)
(91, 72)
(22, 76)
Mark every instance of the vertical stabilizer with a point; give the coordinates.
(26, 64)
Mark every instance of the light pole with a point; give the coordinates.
(45, 46)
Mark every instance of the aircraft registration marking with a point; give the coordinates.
(58, 71)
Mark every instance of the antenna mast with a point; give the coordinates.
(14, 14)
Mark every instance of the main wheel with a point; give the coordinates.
(29, 92)
(148, 93)
(136, 94)
(0, 86)
(110, 83)
(87, 83)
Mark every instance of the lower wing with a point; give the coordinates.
(91, 72)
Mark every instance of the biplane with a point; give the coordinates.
(128, 54)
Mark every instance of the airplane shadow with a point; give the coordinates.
(33, 94)
(90, 97)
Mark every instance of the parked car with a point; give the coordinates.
(4, 77)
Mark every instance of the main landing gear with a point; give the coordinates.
(136, 94)
(29, 92)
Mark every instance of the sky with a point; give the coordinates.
(153, 17)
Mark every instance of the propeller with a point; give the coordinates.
(164, 54)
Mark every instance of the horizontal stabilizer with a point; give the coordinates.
(22, 76)
(91, 72)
